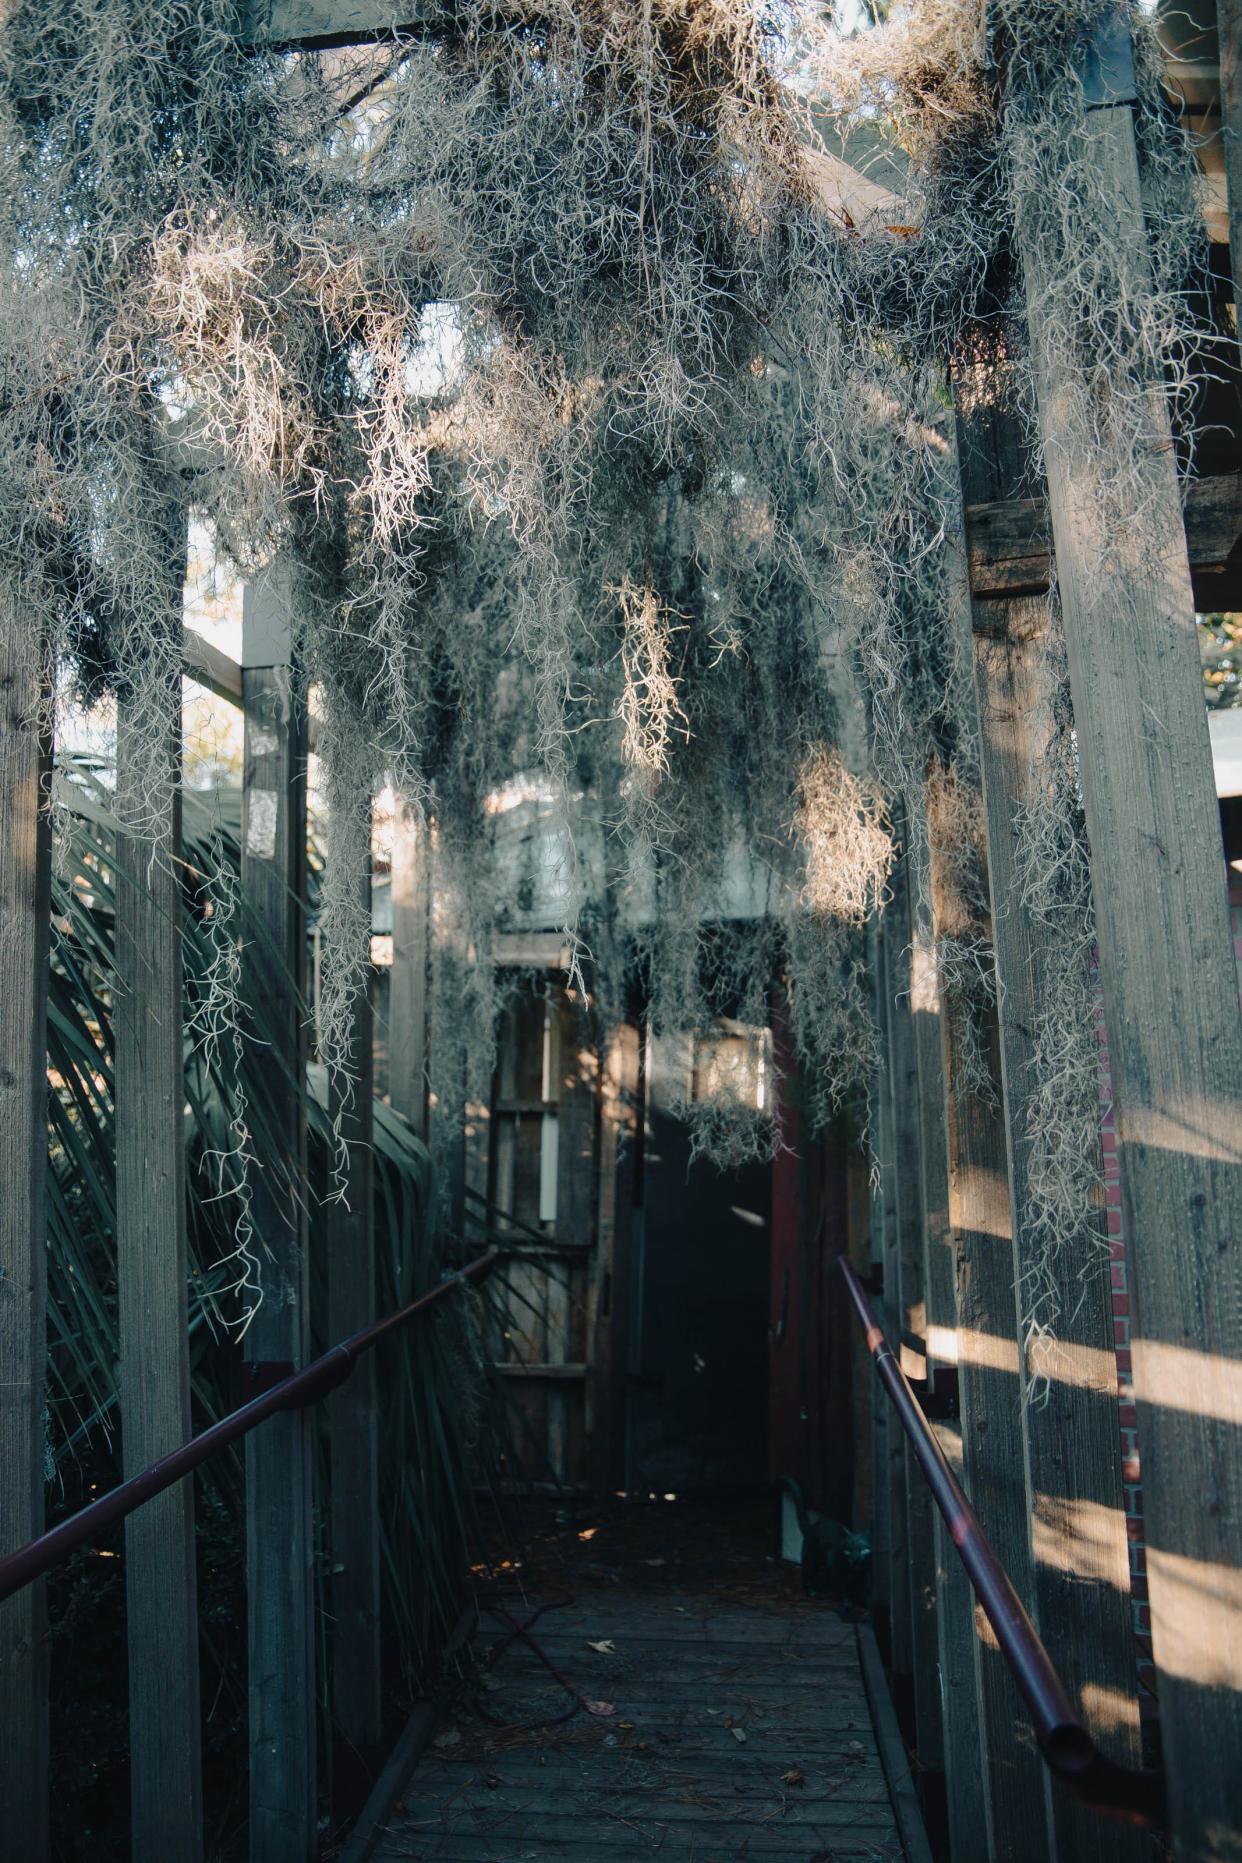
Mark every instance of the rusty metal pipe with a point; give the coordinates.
(1065, 1742)
(295, 1392)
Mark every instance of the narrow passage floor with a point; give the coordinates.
(707, 1725)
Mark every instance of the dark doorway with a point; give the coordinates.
(697, 1397)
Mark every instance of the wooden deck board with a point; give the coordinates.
(734, 1734)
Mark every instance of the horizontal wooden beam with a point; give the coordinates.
(517, 1370)
(316, 23)
(205, 663)
(1010, 543)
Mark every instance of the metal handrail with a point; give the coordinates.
(295, 1392)
(1066, 1743)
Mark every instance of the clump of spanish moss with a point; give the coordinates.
(593, 413)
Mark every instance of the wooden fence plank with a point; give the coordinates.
(1082, 1568)
(965, 1805)
(1174, 1037)
(881, 1196)
(989, 1390)
(280, 1594)
(349, 1241)
(165, 1736)
(910, 1308)
(900, 1622)
(1229, 34)
(25, 866)
(407, 1002)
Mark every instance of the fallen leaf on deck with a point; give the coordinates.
(739, 1733)
(601, 1708)
(450, 1739)
(605, 1646)
(795, 1776)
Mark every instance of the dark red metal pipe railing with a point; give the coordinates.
(1064, 1740)
(295, 1392)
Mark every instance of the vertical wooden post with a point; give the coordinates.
(989, 1389)
(407, 1003)
(882, 1147)
(25, 766)
(1076, 1500)
(900, 1622)
(350, 1243)
(965, 1798)
(1229, 35)
(1082, 1570)
(910, 1309)
(280, 1594)
(152, 1270)
(1174, 1033)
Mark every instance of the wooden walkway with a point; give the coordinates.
(720, 1733)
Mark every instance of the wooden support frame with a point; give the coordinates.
(407, 1002)
(909, 1307)
(279, 1550)
(1174, 1036)
(165, 1734)
(965, 1799)
(989, 1389)
(1229, 36)
(25, 875)
(1083, 1612)
(349, 1241)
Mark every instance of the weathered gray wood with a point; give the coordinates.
(954, 1605)
(914, 1844)
(989, 1389)
(25, 864)
(161, 1590)
(1009, 540)
(353, 1421)
(326, 22)
(910, 1307)
(206, 663)
(283, 1810)
(1174, 1036)
(674, 1773)
(1229, 34)
(881, 1217)
(407, 1003)
(1082, 1571)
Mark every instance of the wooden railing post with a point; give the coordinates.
(279, 1577)
(909, 1308)
(882, 1219)
(1077, 1506)
(1172, 1021)
(407, 1003)
(25, 868)
(1082, 1600)
(350, 1243)
(965, 1798)
(1229, 36)
(161, 1589)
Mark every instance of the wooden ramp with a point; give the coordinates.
(734, 1732)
